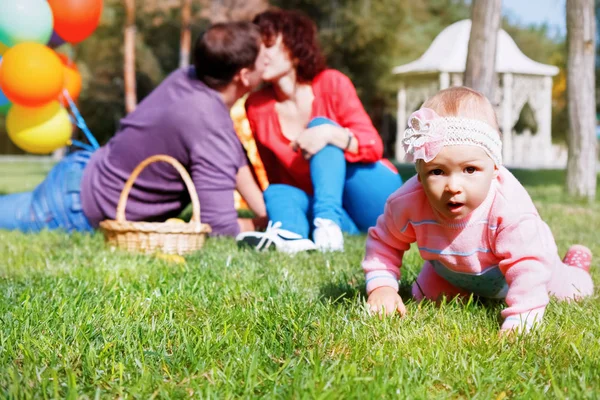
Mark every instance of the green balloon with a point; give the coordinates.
(25, 21)
(4, 102)
(4, 108)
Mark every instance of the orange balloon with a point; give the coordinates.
(31, 74)
(72, 80)
(75, 20)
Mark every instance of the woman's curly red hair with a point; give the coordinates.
(299, 35)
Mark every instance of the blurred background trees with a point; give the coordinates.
(363, 38)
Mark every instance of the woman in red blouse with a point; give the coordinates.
(321, 152)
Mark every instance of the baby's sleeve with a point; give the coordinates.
(386, 244)
(526, 248)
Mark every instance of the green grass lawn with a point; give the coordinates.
(22, 175)
(77, 320)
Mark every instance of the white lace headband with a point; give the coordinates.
(428, 133)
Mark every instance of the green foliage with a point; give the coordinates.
(80, 321)
(100, 59)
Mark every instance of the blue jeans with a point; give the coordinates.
(352, 195)
(53, 204)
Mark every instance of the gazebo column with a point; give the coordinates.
(401, 122)
(507, 118)
(444, 80)
(544, 119)
(456, 80)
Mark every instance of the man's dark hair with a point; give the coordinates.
(224, 49)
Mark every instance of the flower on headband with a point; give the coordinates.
(425, 135)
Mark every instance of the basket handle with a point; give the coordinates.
(138, 170)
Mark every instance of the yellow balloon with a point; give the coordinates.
(3, 48)
(39, 130)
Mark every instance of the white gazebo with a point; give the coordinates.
(519, 81)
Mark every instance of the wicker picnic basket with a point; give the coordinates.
(156, 237)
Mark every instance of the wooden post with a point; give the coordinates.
(481, 57)
(185, 43)
(129, 59)
(581, 164)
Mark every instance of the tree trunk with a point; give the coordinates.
(129, 59)
(581, 166)
(481, 58)
(186, 34)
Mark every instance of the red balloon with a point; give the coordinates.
(75, 20)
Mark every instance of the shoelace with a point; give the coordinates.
(269, 235)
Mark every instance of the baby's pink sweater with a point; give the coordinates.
(505, 230)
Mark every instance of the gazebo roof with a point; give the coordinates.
(448, 53)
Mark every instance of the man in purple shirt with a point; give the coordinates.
(185, 117)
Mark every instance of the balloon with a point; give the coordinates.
(3, 48)
(3, 99)
(39, 130)
(72, 80)
(31, 74)
(4, 109)
(75, 20)
(25, 21)
(55, 41)
(4, 102)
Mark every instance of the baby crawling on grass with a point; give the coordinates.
(475, 225)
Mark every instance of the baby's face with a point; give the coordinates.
(457, 180)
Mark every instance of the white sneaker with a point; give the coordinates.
(275, 237)
(328, 235)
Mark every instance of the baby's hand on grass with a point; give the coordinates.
(385, 301)
(512, 332)
(520, 324)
